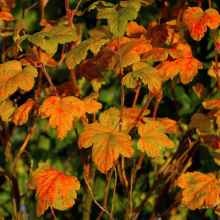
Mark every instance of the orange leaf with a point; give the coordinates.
(153, 138)
(92, 106)
(21, 114)
(212, 18)
(212, 104)
(134, 29)
(199, 190)
(6, 16)
(107, 144)
(167, 70)
(106, 140)
(62, 112)
(188, 68)
(53, 188)
(193, 18)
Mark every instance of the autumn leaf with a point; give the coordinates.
(62, 112)
(212, 104)
(197, 21)
(6, 110)
(144, 73)
(214, 70)
(187, 68)
(106, 141)
(127, 52)
(6, 16)
(21, 114)
(212, 18)
(54, 189)
(169, 125)
(153, 138)
(91, 105)
(48, 40)
(199, 190)
(134, 29)
(12, 78)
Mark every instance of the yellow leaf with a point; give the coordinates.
(6, 110)
(91, 105)
(153, 138)
(12, 78)
(53, 188)
(62, 112)
(21, 114)
(106, 141)
(199, 190)
(169, 125)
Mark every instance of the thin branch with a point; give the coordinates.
(106, 193)
(114, 191)
(95, 201)
(48, 78)
(23, 147)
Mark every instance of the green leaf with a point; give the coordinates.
(146, 74)
(118, 18)
(79, 53)
(49, 40)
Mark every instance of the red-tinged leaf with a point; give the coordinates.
(21, 114)
(53, 188)
(212, 104)
(199, 190)
(188, 68)
(6, 16)
(212, 18)
(193, 19)
(62, 112)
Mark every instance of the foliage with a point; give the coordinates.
(109, 109)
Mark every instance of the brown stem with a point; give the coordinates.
(106, 194)
(49, 79)
(137, 92)
(87, 198)
(94, 200)
(23, 147)
(143, 109)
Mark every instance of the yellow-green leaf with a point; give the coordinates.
(12, 78)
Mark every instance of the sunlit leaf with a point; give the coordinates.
(62, 112)
(12, 78)
(54, 189)
(21, 114)
(153, 138)
(6, 110)
(199, 190)
(106, 141)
